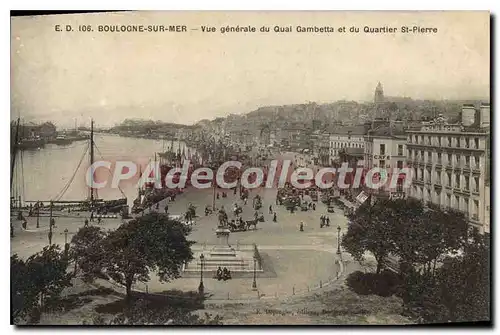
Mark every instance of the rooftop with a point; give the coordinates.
(390, 131)
(348, 130)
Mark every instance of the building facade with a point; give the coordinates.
(346, 137)
(385, 148)
(450, 167)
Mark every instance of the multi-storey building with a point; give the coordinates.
(450, 163)
(385, 148)
(346, 137)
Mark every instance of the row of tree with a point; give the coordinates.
(443, 263)
(150, 244)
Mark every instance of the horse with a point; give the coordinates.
(252, 223)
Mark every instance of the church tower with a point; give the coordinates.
(379, 94)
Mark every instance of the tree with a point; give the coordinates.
(460, 289)
(143, 312)
(147, 244)
(40, 278)
(22, 297)
(88, 251)
(425, 235)
(370, 230)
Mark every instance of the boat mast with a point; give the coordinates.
(91, 163)
(14, 152)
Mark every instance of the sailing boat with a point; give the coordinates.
(113, 206)
(13, 156)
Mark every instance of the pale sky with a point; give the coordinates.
(185, 77)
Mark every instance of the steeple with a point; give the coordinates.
(379, 94)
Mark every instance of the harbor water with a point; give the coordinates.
(44, 174)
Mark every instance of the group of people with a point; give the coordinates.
(224, 195)
(223, 274)
(324, 221)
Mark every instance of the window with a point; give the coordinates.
(429, 140)
(458, 159)
(457, 202)
(476, 184)
(457, 181)
(449, 141)
(449, 159)
(429, 156)
(382, 149)
(400, 164)
(416, 139)
(457, 141)
(439, 140)
(439, 158)
(475, 209)
(466, 205)
(382, 164)
(467, 143)
(466, 186)
(476, 143)
(467, 160)
(448, 200)
(400, 150)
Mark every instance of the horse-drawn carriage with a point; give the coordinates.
(237, 210)
(240, 225)
(331, 209)
(304, 207)
(244, 194)
(208, 210)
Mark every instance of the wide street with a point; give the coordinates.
(301, 261)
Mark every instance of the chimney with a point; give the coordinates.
(468, 115)
(484, 115)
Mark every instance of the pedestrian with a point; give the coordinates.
(11, 230)
(314, 206)
(301, 227)
(328, 221)
(157, 206)
(245, 201)
(275, 219)
(92, 217)
(50, 237)
(235, 191)
(25, 224)
(270, 209)
(166, 209)
(217, 195)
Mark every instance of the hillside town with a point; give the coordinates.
(447, 145)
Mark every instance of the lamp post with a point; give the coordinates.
(338, 240)
(254, 284)
(66, 245)
(201, 288)
(38, 215)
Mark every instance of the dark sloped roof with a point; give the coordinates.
(395, 130)
(346, 130)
